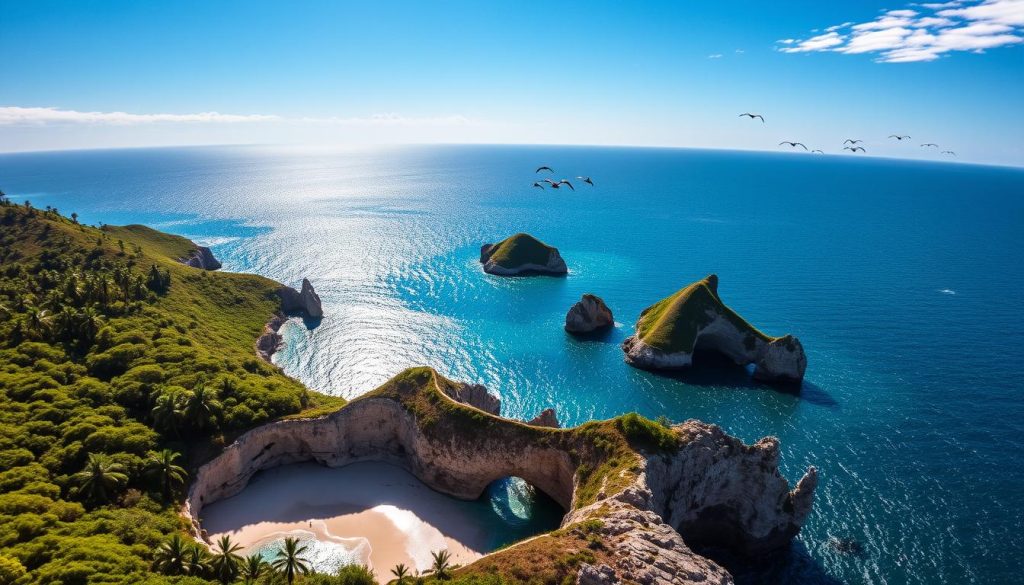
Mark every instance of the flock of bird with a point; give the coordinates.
(850, 144)
(557, 184)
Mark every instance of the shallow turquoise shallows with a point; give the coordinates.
(903, 280)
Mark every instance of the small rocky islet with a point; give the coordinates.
(670, 331)
(522, 255)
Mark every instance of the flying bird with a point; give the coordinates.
(793, 144)
(586, 180)
(752, 116)
(949, 152)
(548, 169)
(852, 141)
(854, 148)
(818, 151)
(930, 144)
(536, 184)
(557, 184)
(898, 137)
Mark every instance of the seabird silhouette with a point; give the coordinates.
(793, 144)
(752, 116)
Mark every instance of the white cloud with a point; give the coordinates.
(715, 56)
(34, 116)
(818, 43)
(907, 35)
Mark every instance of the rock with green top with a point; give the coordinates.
(695, 318)
(521, 255)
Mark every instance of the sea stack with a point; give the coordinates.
(305, 301)
(588, 315)
(521, 255)
(202, 258)
(695, 318)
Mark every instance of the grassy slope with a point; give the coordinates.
(520, 249)
(57, 405)
(672, 323)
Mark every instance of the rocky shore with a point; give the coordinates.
(710, 488)
(202, 258)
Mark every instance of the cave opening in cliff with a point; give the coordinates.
(524, 509)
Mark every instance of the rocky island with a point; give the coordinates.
(305, 302)
(521, 255)
(637, 494)
(694, 319)
(588, 315)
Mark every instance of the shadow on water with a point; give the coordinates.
(713, 369)
(794, 565)
(610, 335)
(311, 323)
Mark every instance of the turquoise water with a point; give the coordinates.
(903, 280)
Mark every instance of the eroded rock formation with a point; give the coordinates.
(305, 301)
(270, 340)
(712, 488)
(201, 258)
(589, 314)
(695, 319)
(546, 418)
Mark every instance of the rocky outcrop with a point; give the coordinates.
(521, 255)
(270, 340)
(546, 418)
(306, 301)
(475, 395)
(711, 489)
(201, 258)
(589, 314)
(695, 319)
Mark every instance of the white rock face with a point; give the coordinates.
(781, 359)
(713, 489)
(201, 258)
(588, 315)
(305, 301)
(555, 265)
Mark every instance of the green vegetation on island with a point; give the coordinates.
(673, 323)
(520, 249)
(120, 370)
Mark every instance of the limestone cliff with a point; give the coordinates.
(695, 319)
(589, 314)
(202, 258)
(306, 301)
(643, 505)
(521, 255)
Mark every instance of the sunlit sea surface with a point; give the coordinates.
(903, 280)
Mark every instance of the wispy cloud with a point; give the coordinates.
(18, 115)
(715, 56)
(35, 116)
(924, 32)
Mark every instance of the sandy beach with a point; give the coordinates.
(371, 513)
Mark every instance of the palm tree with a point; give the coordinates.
(65, 321)
(442, 568)
(253, 567)
(171, 556)
(163, 469)
(197, 562)
(100, 477)
(167, 411)
(89, 323)
(202, 408)
(400, 572)
(289, 561)
(38, 320)
(226, 563)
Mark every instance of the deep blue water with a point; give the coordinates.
(902, 279)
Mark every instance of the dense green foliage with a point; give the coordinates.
(672, 323)
(519, 249)
(120, 369)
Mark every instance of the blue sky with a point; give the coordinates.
(80, 74)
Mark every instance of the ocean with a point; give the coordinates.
(902, 279)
